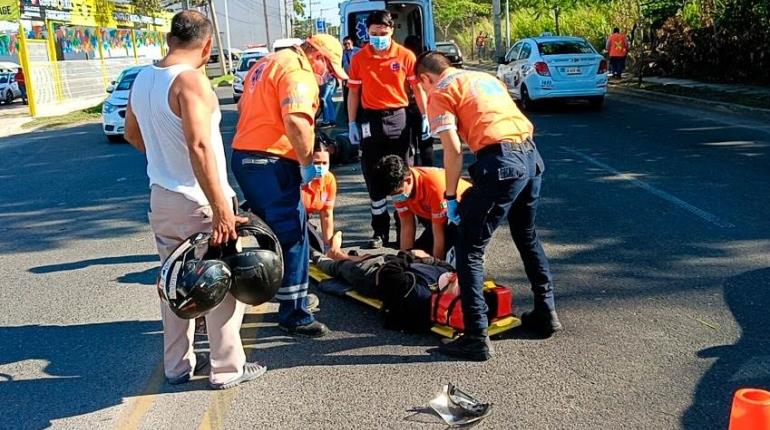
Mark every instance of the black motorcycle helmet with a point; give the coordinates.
(190, 281)
(256, 261)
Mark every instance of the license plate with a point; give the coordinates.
(573, 70)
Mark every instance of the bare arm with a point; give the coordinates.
(132, 133)
(407, 232)
(327, 225)
(301, 135)
(196, 105)
(354, 100)
(420, 98)
(439, 240)
(453, 160)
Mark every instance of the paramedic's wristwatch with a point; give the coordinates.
(448, 197)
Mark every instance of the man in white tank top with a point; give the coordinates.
(173, 117)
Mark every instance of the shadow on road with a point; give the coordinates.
(123, 259)
(76, 369)
(741, 365)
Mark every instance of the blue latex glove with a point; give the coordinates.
(308, 173)
(355, 136)
(425, 128)
(451, 211)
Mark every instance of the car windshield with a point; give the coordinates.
(558, 47)
(447, 49)
(4, 79)
(126, 82)
(247, 62)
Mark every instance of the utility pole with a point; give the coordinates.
(229, 44)
(556, 17)
(287, 18)
(310, 16)
(267, 24)
(185, 4)
(498, 36)
(507, 25)
(218, 36)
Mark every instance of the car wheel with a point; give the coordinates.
(527, 103)
(596, 103)
(8, 97)
(115, 138)
(236, 99)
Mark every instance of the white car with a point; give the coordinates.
(9, 89)
(554, 67)
(248, 58)
(114, 108)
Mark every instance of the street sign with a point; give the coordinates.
(320, 25)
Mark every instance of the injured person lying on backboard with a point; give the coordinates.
(413, 291)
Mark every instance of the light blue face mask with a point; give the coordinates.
(379, 43)
(320, 170)
(400, 198)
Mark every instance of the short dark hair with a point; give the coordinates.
(379, 17)
(190, 26)
(320, 145)
(432, 62)
(388, 174)
(346, 38)
(616, 30)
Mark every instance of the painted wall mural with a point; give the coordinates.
(116, 42)
(75, 40)
(9, 44)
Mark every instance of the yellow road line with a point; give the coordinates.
(220, 402)
(138, 406)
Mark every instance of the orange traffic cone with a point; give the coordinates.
(751, 410)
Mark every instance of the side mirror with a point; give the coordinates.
(501, 60)
(111, 87)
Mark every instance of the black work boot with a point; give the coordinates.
(473, 347)
(312, 329)
(375, 242)
(541, 320)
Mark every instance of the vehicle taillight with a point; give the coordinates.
(542, 69)
(602, 67)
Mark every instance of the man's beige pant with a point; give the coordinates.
(174, 218)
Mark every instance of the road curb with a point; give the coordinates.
(721, 107)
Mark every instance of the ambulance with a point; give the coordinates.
(412, 18)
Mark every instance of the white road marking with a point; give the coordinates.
(700, 213)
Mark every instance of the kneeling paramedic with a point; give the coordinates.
(379, 74)
(272, 159)
(173, 117)
(419, 192)
(506, 176)
(318, 196)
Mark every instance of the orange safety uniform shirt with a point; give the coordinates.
(382, 77)
(280, 84)
(319, 194)
(618, 45)
(427, 198)
(478, 106)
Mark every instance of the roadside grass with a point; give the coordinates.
(222, 81)
(88, 114)
(703, 93)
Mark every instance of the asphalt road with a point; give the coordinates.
(655, 218)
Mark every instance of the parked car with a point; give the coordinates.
(114, 107)
(248, 58)
(554, 67)
(214, 68)
(9, 89)
(452, 51)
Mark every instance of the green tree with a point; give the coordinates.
(456, 13)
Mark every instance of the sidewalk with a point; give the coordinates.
(734, 96)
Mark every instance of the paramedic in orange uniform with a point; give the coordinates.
(419, 192)
(507, 175)
(272, 159)
(379, 75)
(318, 195)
